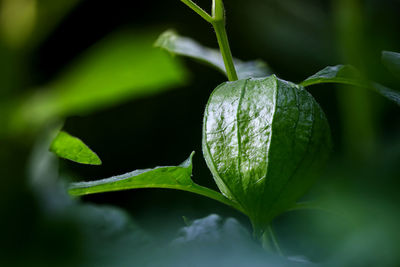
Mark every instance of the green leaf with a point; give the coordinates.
(346, 74)
(184, 46)
(170, 177)
(69, 147)
(264, 141)
(123, 66)
(391, 60)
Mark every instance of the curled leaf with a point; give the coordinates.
(264, 141)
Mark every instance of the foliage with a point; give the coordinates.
(346, 74)
(264, 139)
(120, 67)
(184, 46)
(160, 177)
(69, 147)
(391, 60)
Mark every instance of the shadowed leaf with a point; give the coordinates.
(346, 74)
(391, 60)
(184, 46)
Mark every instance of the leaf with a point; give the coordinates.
(171, 177)
(391, 60)
(123, 66)
(69, 147)
(387, 92)
(264, 141)
(346, 74)
(184, 46)
(213, 229)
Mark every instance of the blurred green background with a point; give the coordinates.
(91, 67)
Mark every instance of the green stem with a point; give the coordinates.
(81, 189)
(204, 191)
(223, 43)
(269, 241)
(217, 20)
(275, 241)
(198, 10)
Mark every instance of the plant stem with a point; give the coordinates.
(217, 20)
(198, 10)
(269, 241)
(223, 43)
(275, 241)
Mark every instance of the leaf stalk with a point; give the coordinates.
(269, 241)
